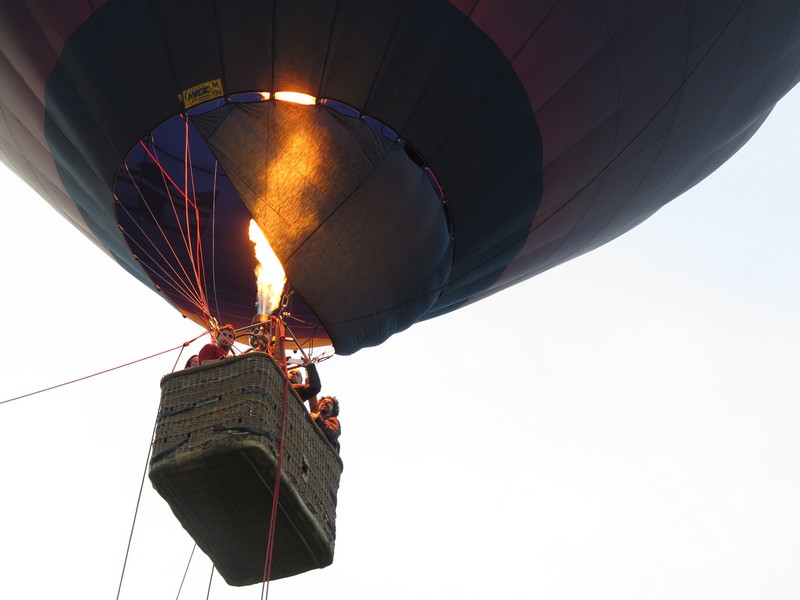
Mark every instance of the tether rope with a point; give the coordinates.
(186, 571)
(210, 579)
(144, 476)
(136, 510)
(177, 360)
(127, 364)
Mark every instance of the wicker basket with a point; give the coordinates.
(215, 461)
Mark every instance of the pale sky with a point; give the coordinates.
(624, 426)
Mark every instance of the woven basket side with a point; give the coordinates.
(215, 461)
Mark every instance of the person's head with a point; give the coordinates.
(193, 361)
(295, 377)
(225, 336)
(328, 406)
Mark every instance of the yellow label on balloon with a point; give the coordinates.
(202, 93)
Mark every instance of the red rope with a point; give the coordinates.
(200, 301)
(193, 248)
(104, 371)
(196, 254)
(165, 174)
(274, 514)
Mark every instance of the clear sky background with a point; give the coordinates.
(624, 426)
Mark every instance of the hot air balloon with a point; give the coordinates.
(441, 150)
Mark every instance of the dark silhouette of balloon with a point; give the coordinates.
(455, 149)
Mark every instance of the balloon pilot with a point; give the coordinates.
(221, 345)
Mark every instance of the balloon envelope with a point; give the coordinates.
(455, 148)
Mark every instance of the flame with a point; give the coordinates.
(270, 276)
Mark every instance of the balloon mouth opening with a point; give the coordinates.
(187, 225)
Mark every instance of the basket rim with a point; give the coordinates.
(227, 361)
(215, 364)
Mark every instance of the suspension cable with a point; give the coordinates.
(186, 234)
(192, 248)
(214, 239)
(196, 253)
(181, 284)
